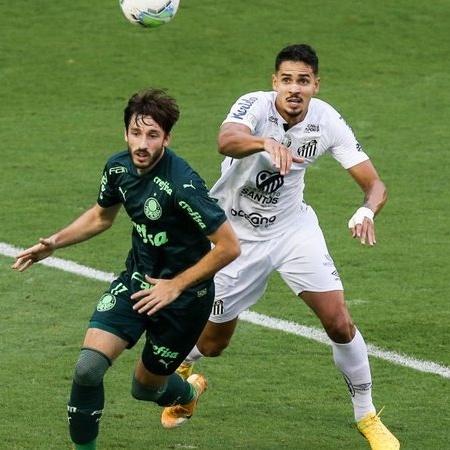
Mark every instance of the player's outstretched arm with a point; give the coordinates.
(92, 222)
(226, 249)
(375, 196)
(236, 140)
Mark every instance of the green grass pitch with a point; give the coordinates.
(66, 71)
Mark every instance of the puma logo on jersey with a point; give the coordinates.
(190, 185)
(123, 193)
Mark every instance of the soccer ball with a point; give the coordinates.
(149, 13)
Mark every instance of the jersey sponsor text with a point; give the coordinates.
(255, 219)
(156, 240)
(244, 106)
(194, 214)
(259, 197)
(163, 185)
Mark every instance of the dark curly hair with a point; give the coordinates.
(155, 103)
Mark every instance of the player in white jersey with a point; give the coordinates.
(269, 139)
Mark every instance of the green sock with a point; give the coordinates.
(89, 446)
(178, 391)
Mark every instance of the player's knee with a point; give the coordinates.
(91, 367)
(212, 348)
(140, 391)
(340, 328)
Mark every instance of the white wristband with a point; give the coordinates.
(359, 216)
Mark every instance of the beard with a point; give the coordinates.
(144, 159)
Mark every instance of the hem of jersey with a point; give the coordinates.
(364, 157)
(107, 205)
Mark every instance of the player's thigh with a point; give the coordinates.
(242, 283)
(172, 332)
(105, 342)
(305, 263)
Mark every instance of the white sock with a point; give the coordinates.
(194, 355)
(352, 360)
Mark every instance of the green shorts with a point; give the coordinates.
(171, 332)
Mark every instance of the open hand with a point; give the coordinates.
(34, 254)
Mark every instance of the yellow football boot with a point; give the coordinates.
(175, 416)
(379, 437)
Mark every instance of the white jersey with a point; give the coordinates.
(259, 202)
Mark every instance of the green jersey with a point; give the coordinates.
(171, 213)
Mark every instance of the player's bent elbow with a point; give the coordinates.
(226, 144)
(223, 150)
(222, 143)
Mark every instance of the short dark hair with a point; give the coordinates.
(162, 108)
(298, 52)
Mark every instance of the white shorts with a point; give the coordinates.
(300, 256)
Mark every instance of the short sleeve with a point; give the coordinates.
(344, 147)
(108, 193)
(193, 200)
(247, 110)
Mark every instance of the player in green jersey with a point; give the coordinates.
(167, 289)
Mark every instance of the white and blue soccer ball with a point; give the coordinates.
(149, 13)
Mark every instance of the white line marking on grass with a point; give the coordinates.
(356, 301)
(251, 317)
(62, 264)
(320, 336)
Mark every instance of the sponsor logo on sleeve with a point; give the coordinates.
(118, 169)
(194, 214)
(242, 107)
(103, 183)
